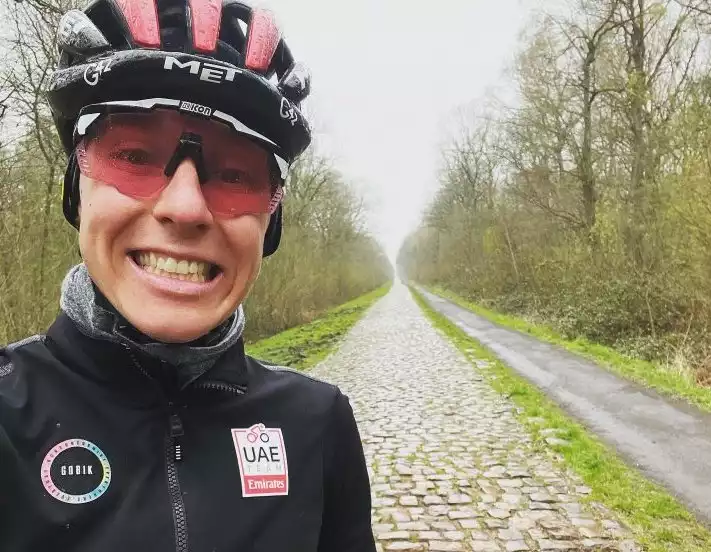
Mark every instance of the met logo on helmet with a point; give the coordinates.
(205, 71)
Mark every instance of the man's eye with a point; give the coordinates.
(133, 156)
(233, 176)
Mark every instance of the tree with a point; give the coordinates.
(597, 217)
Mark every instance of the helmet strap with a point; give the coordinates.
(70, 191)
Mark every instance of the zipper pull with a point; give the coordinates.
(176, 431)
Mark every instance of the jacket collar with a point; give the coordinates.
(124, 367)
(96, 318)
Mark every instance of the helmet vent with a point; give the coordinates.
(173, 24)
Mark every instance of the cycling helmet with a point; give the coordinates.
(218, 53)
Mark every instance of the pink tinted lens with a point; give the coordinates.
(130, 151)
(227, 202)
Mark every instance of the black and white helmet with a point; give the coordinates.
(219, 53)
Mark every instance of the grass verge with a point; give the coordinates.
(304, 346)
(650, 374)
(658, 521)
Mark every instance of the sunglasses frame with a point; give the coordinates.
(92, 112)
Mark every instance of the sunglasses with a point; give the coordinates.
(136, 147)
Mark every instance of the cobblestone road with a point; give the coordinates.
(451, 467)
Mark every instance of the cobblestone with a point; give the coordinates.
(451, 467)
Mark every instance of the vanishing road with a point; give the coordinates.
(451, 467)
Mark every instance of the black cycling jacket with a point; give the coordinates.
(99, 452)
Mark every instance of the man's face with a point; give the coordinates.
(169, 265)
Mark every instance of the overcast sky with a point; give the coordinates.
(387, 76)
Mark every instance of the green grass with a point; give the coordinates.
(650, 374)
(657, 520)
(304, 346)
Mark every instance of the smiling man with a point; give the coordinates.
(137, 422)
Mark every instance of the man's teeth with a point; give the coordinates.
(194, 271)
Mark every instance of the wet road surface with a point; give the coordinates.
(668, 440)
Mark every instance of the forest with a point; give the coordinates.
(585, 203)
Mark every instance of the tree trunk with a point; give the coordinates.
(638, 98)
(587, 175)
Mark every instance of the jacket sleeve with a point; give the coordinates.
(347, 503)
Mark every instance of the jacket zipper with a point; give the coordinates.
(218, 386)
(173, 454)
(176, 432)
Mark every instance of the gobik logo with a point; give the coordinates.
(76, 471)
(262, 461)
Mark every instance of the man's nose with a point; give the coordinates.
(181, 201)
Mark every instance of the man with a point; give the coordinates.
(137, 423)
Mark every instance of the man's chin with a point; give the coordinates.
(173, 319)
(172, 327)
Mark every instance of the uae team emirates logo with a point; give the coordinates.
(262, 461)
